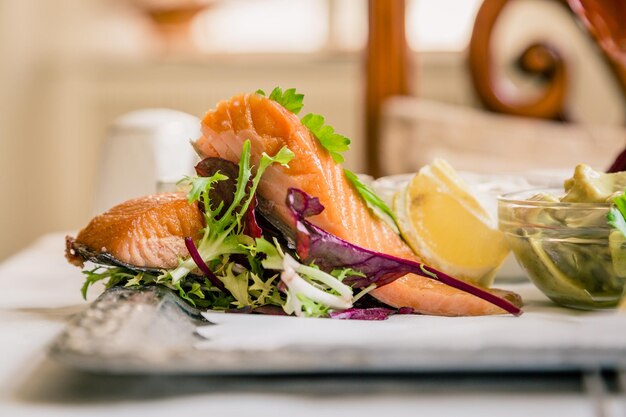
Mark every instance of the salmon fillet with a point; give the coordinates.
(269, 126)
(144, 232)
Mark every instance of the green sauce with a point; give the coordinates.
(571, 253)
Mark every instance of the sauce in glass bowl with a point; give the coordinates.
(563, 241)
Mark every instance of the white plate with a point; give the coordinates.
(152, 331)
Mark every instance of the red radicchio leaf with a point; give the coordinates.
(250, 225)
(305, 206)
(375, 313)
(330, 252)
(195, 255)
(224, 191)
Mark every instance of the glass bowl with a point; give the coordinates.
(568, 250)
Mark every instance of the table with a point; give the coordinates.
(40, 291)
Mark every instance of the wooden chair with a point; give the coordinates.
(605, 22)
(387, 76)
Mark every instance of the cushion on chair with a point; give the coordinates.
(416, 131)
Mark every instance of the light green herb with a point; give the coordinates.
(333, 142)
(373, 201)
(617, 214)
(289, 99)
(113, 276)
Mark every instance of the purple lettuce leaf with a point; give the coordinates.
(250, 225)
(222, 191)
(329, 252)
(202, 266)
(374, 313)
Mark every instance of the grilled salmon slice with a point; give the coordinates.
(146, 232)
(269, 126)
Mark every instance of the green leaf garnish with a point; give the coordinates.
(135, 281)
(282, 157)
(373, 201)
(196, 289)
(620, 202)
(341, 274)
(312, 308)
(616, 219)
(237, 284)
(273, 255)
(289, 99)
(113, 276)
(200, 294)
(200, 186)
(616, 216)
(331, 141)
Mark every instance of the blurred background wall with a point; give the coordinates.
(71, 67)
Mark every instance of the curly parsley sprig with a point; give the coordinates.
(330, 140)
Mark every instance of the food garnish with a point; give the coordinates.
(331, 141)
(617, 213)
(373, 201)
(447, 227)
(616, 217)
(289, 99)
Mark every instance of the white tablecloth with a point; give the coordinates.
(39, 291)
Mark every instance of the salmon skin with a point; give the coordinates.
(146, 232)
(269, 127)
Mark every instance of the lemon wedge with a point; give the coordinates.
(447, 227)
